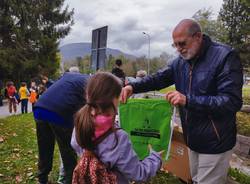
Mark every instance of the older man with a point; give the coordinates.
(208, 80)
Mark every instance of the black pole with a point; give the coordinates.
(98, 50)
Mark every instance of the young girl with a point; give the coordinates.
(11, 90)
(97, 118)
(24, 96)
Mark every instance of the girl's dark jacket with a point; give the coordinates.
(212, 85)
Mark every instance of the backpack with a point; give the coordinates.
(90, 170)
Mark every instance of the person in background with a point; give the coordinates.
(61, 177)
(44, 85)
(140, 75)
(24, 96)
(46, 81)
(33, 93)
(1, 93)
(11, 91)
(74, 69)
(53, 113)
(41, 89)
(96, 119)
(208, 80)
(118, 72)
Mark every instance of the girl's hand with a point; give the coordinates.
(151, 149)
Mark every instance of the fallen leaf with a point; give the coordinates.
(233, 178)
(31, 177)
(29, 174)
(1, 140)
(15, 150)
(19, 179)
(30, 152)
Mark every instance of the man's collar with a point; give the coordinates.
(206, 42)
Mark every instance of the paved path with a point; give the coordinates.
(4, 110)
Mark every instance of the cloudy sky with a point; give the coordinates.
(127, 19)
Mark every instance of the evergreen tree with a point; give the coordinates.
(210, 26)
(29, 34)
(235, 17)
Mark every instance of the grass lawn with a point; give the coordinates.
(243, 123)
(246, 94)
(18, 153)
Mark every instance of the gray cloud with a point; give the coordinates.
(128, 19)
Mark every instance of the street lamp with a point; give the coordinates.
(148, 48)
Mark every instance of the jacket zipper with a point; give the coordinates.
(189, 90)
(215, 129)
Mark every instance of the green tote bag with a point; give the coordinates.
(147, 121)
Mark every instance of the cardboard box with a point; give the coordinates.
(178, 163)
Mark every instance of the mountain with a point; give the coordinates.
(69, 52)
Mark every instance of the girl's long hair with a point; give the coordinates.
(101, 89)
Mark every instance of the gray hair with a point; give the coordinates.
(194, 28)
(74, 69)
(189, 25)
(141, 73)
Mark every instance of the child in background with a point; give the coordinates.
(96, 121)
(24, 96)
(11, 90)
(41, 90)
(33, 93)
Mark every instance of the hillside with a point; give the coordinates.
(70, 51)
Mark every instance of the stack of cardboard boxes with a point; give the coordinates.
(178, 162)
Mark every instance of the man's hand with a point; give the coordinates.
(176, 98)
(127, 91)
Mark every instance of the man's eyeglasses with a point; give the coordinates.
(180, 44)
(183, 43)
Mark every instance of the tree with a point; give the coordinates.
(235, 17)
(166, 58)
(210, 26)
(29, 34)
(110, 62)
(246, 3)
(79, 61)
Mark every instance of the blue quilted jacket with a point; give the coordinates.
(213, 87)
